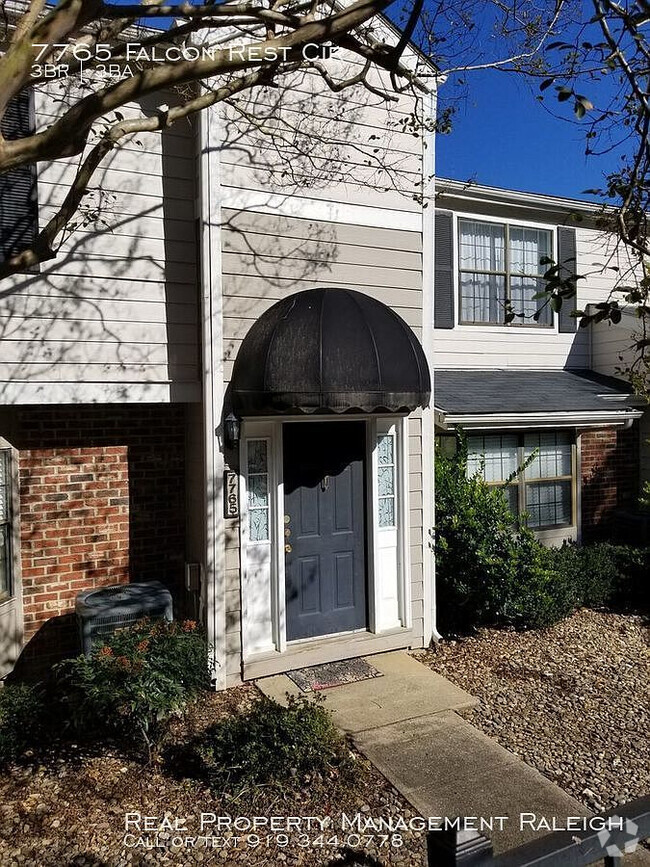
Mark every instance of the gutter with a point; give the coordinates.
(578, 419)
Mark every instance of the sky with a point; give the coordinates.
(503, 136)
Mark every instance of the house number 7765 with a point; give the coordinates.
(231, 495)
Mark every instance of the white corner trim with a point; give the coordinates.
(428, 478)
(213, 388)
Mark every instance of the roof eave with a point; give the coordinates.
(474, 192)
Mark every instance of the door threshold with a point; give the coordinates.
(313, 638)
(317, 651)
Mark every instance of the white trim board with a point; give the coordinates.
(611, 418)
(18, 393)
(325, 210)
(214, 592)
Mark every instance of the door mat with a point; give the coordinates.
(333, 674)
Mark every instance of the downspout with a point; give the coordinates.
(209, 240)
(428, 415)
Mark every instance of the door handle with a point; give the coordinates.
(325, 483)
(288, 549)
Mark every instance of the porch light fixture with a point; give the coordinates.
(231, 430)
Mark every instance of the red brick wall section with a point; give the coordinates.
(74, 526)
(102, 501)
(610, 474)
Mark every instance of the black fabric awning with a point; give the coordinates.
(330, 351)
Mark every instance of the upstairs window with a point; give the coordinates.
(500, 268)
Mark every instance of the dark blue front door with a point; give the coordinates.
(324, 525)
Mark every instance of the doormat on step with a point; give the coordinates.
(333, 674)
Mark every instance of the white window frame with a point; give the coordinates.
(481, 218)
(11, 606)
(522, 482)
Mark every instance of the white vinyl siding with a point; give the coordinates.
(114, 317)
(268, 257)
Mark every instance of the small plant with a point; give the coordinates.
(273, 745)
(21, 718)
(135, 681)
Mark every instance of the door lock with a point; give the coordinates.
(288, 549)
(325, 483)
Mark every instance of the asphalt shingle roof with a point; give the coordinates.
(520, 391)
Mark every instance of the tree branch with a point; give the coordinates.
(43, 248)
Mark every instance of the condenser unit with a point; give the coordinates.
(100, 612)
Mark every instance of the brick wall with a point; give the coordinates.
(610, 478)
(74, 531)
(102, 502)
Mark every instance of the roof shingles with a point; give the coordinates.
(476, 392)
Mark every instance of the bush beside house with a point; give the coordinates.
(271, 745)
(133, 683)
(492, 571)
(132, 686)
(21, 718)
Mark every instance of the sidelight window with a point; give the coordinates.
(386, 480)
(258, 491)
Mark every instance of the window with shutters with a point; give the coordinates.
(18, 195)
(500, 269)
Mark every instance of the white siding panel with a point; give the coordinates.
(334, 145)
(116, 311)
(493, 346)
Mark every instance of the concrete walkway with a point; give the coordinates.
(406, 725)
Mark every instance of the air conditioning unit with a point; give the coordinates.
(100, 612)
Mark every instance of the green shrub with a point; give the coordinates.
(490, 569)
(631, 588)
(21, 719)
(133, 683)
(272, 745)
(604, 575)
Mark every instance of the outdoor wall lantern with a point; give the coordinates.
(231, 430)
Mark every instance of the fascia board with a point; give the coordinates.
(449, 421)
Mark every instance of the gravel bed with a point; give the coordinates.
(573, 700)
(67, 807)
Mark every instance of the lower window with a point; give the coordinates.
(6, 578)
(544, 489)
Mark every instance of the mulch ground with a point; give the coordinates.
(573, 700)
(67, 806)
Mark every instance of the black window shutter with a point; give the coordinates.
(566, 257)
(443, 288)
(18, 195)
